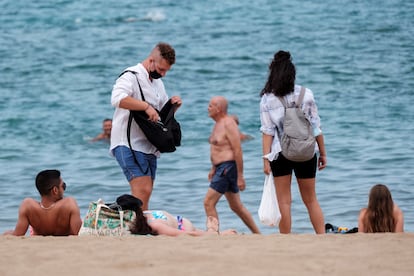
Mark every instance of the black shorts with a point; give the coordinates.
(281, 167)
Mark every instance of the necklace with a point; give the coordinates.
(47, 208)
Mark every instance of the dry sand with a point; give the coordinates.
(295, 254)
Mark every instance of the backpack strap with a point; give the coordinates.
(135, 73)
(130, 121)
(299, 101)
(283, 101)
(301, 96)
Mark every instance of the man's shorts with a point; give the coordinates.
(225, 178)
(147, 163)
(281, 167)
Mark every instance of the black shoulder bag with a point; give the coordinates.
(165, 134)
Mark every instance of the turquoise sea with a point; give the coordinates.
(59, 60)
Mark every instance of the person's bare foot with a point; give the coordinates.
(212, 224)
(228, 232)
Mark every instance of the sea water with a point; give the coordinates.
(60, 59)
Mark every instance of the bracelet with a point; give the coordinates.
(148, 105)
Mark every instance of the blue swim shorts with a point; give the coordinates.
(147, 163)
(225, 178)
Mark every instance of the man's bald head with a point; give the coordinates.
(221, 103)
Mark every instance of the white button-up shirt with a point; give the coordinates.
(127, 85)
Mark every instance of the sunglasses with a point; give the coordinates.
(63, 186)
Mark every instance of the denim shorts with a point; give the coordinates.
(147, 163)
(225, 178)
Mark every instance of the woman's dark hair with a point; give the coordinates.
(282, 74)
(379, 215)
(140, 225)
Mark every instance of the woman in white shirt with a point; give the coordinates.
(281, 83)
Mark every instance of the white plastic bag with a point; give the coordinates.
(269, 213)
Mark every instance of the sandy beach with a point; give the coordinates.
(295, 254)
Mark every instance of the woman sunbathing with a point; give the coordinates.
(160, 222)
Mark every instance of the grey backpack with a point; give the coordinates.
(298, 142)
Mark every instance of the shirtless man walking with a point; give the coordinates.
(226, 174)
(53, 215)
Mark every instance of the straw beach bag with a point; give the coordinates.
(106, 220)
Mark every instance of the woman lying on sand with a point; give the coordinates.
(160, 222)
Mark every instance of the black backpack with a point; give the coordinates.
(165, 134)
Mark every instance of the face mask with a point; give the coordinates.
(154, 74)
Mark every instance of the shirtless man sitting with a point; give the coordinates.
(53, 215)
(226, 175)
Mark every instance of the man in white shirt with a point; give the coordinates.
(126, 96)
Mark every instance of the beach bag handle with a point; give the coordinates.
(98, 210)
